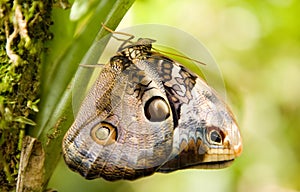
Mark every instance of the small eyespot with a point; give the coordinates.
(104, 133)
(215, 136)
(156, 109)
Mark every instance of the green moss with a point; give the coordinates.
(24, 29)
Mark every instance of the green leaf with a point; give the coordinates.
(72, 40)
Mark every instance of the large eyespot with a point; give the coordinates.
(215, 135)
(104, 133)
(156, 109)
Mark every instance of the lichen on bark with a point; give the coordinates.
(24, 27)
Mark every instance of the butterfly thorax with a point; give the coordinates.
(139, 50)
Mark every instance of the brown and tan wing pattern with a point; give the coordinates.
(145, 114)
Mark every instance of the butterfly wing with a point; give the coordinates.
(205, 134)
(147, 113)
(124, 127)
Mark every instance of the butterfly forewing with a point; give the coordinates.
(121, 104)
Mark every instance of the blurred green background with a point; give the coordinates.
(257, 47)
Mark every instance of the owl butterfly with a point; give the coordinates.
(147, 113)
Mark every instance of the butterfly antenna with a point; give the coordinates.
(119, 33)
(92, 66)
